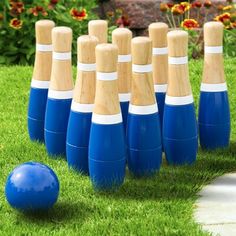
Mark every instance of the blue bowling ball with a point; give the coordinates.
(32, 186)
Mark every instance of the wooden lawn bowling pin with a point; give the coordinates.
(122, 38)
(158, 34)
(82, 105)
(107, 151)
(40, 80)
(143, 127)
(98, 28)
(60, 92)
(214, 112)
(179, 121)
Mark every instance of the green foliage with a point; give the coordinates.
(17, 46)
(230, 43)
(161, 205)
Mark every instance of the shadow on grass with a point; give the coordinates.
(179, 182)
(62, 212)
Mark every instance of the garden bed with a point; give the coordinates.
(162, 205)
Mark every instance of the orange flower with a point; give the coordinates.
(177, 9)
(207, 4)
(164, 7)
(185, 6)
(227, 8)
(110, 14)
(78, 15)
(220, 7)
(1, 17)
(16, 8)
(16, 24)
(197, 4)
(189, 24)
(38, 9)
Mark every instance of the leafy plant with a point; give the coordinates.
(17, 20)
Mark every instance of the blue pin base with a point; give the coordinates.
(144, 144)
(124, 110)
(77, 141)
(214, 136)
(107, 156)
(181, 152)
(36, 113)
(145, 162)
(56, 120)
(160, 97)
(180, 138)
(107, 175)
(214, 120)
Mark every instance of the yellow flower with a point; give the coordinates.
(15, 23)
(185, 6)
(227, 8)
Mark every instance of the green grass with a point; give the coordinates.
(162, 205)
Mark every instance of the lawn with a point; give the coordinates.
(162, 205)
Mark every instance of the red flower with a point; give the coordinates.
(123, 21)
(15, 23)
(170, 5)
(224, 18)
(207, 4)
(197, 4)
(38, 9)
(78, 15)
(189, 24)
(52, 4)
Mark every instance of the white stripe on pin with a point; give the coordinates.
(44, 47)
(124, 97)
(39, 84)
(143, 110)
(160, 88)
(159, 51)
(213, 50)
(178, 60)
(169, 100)
(124, 58)
(86, 67)
(62, 56)
(106, 76)
(107, 119)
(79, 107)
(213, 87)
(142, 68)
(60, 94)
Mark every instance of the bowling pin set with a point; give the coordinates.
(132, 99)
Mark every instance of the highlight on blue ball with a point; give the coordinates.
(32, 186)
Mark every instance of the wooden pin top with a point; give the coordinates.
(62, 39)
(213, 33)
(177, 43)
(86, 49)
(43, 31)
(158, 32)
(98, 28)
(122, 38)
(106, 57)
(141, 48)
